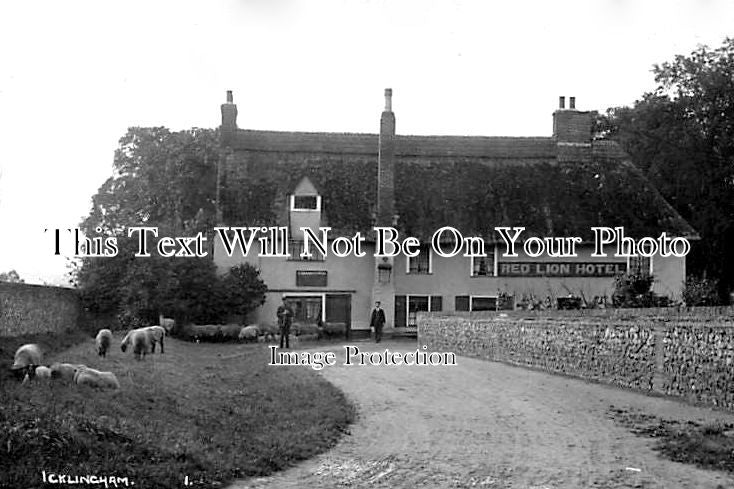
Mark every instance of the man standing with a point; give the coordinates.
(377, 321)
(285, 318)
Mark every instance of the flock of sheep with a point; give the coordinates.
(27, 363)
(142, 341)
(262, 333)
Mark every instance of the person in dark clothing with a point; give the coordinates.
(285, 319)
(377, 321)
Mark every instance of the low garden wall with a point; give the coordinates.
(29, 309)
(687, 356)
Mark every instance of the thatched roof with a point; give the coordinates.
(470, 183)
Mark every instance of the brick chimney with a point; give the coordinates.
(229, 119)
(386, 165)
(572, 131)
(383, 288)
(226, 136)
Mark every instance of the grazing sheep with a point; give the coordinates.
(95, 378)
(269, 331)
(141, 341)
(43, 372)
(103, 341)
(27, 357)
(334, 330)
(156, 334)
(142, 344)
(249, 333)
(213, 332)
(308, 337)
(167, 323)
(65, 371)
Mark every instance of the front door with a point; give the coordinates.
(339, 309)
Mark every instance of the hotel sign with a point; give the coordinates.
(560, 269)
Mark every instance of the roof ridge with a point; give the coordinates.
(373, 134)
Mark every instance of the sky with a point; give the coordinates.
(75, 75)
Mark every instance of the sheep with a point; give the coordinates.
(103, 341)
(43, 372)
(39, 372)
(95, 378)
(65, 371)
(156, 334)
(308, 337)
(142, 344)
(167, 323)
(331, 330)
(249, 333)
(269, 331)
(27, 358)
(142, 341)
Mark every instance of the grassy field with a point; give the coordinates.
(212, 412)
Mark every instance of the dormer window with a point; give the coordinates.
(305, 203)
(305, 209)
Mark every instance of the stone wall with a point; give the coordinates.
(688, 357)
(29, 309)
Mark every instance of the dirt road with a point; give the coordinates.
(490, 425)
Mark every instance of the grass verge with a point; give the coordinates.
(708, 446)
(212, 412)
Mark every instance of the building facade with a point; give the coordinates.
(557, 186)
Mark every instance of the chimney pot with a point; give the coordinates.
(388, 100)
(572, 103)
(561, 102)
(230, 98)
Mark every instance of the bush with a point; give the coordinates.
(186, 289)
(633, 290)
(129, 320)
(243, 291)
(701, 292)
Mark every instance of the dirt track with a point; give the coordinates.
(489, 425)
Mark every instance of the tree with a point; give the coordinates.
(242, 290)
(682, 136)
(166, 180)
(161, 178)
(12, 277)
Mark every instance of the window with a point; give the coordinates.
(307, 309)
(483, 303)
(416, 303)
(461, 303)
(407, 308)
(476, 303)
(639, 265)
(305, 202)
(310, 278)
(296, 248)
(383, 275)
(420, 263)
(484, 266)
